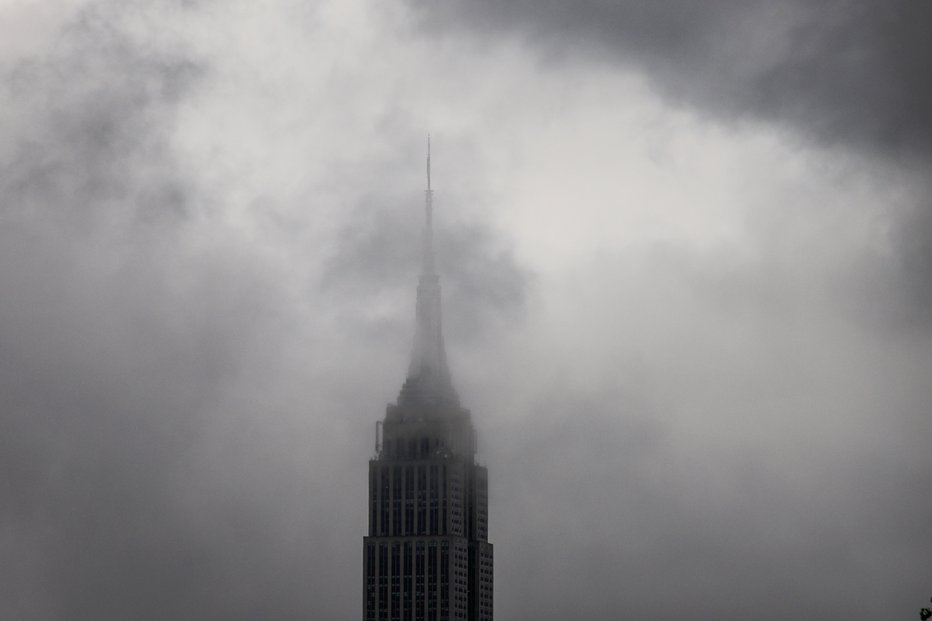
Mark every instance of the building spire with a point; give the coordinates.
(427, 262)
(428, 379)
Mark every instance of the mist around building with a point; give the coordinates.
(667, 352)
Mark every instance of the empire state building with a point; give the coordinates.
(427, 556)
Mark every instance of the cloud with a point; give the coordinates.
(377, 257)
(183, 418)
(687, 451)
(839, 71)
(838, 74)
(208, 252)
(86, 129)
(123, 330)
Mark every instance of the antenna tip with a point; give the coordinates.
(428, 161)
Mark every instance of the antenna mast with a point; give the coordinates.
(429, 220)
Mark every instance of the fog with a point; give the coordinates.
(685, 255)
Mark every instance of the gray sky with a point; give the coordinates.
(685, 250)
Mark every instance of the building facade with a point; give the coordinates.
(427, 556)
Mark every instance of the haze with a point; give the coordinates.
(685, 250)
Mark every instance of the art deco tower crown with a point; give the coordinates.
(427, 555)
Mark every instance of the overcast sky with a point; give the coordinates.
(686, 251)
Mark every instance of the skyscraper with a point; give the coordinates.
(427, 556)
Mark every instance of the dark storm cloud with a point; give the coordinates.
(839, 73)
(851, 72)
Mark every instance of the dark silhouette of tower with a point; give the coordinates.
(427, 556)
